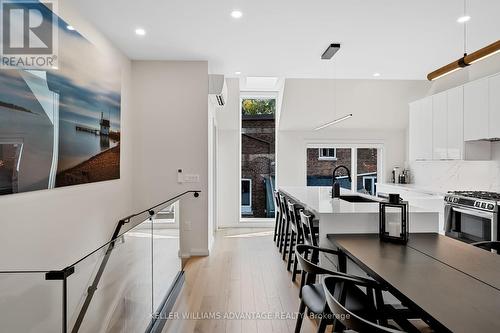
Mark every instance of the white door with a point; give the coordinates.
(476, 115)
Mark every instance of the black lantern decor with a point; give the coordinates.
(394, 220)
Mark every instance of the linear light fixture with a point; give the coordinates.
(330, 51)
(336, 121)
(466, 60)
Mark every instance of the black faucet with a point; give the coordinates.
(336, 184)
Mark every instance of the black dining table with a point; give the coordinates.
(454, 285)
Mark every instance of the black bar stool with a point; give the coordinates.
(277, 224)
(285, 226)
(295, 236)
(310, 236)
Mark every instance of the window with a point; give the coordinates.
(246, 197)
(257, 156)
(10, 159)
(363, 162)
(327, 154)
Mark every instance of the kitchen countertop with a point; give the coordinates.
(414, 187)
(318, 199)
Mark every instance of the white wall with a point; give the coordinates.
(228, 157)
(170, 133)
(380, 116)
(461, 175)
(292, 156)
(52, 228)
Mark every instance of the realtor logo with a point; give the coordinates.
(29, 37)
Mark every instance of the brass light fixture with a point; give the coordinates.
(467, 59)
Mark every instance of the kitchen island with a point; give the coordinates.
(339, 216)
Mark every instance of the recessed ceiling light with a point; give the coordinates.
(236, 14)
(70, 27)
(463, 19)
(140, 32)
(237, 73)
(376, 74)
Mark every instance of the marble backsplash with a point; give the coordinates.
(445, 176)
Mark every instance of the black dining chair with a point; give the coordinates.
(489, 245)
(313, 295)
(294, 210)
(337, 289)
(277, 224)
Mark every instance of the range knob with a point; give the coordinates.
(483, 205)
(477, 204)
(455, 200)
(491, 206)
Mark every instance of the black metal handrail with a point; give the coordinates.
(111, 244)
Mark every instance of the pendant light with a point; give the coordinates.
(327, 55)
(467, 59)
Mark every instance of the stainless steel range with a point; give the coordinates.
(472, 216)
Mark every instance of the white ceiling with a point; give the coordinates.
(401, 39)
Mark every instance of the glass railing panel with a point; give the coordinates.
(30, 304)
(122, 301)
(166, 261)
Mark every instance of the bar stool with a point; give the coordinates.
(285, 227)
(295, 236)
(310, 236)
(277, 224)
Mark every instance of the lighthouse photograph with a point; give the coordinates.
(60, 126)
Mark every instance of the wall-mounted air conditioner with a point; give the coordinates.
(217, 90)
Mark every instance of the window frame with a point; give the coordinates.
(354, 157)
(255, 95)
(322, 157)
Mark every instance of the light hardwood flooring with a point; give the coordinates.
(243, 275)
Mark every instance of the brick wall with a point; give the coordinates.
(258, 158)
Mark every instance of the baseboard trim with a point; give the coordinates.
(199, 252)
(160, 318)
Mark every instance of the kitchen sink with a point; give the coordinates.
(356, 198)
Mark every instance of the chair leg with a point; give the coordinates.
(322, 325)
(300, 317)
(285, 243)
(295, 261)
(290, 251)
(302, 282)
(276, 227)
(282, 234)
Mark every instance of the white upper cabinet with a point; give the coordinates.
(420, 132)
(476, 110)
(494, 106)
(440, 126)
(455, 133)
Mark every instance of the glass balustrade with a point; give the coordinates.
(120, 287)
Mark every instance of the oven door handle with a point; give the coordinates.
(473, 212)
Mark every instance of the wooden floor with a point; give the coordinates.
(244, 275)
